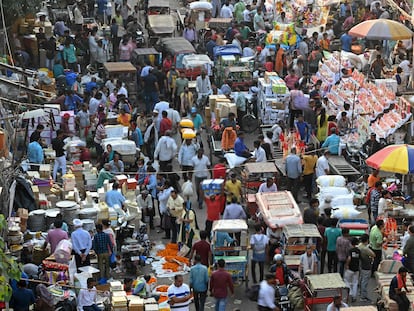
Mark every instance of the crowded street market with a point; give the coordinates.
(153, 153)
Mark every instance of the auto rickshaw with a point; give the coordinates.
(142, 55)
(177, 47)
(195, 63)
(160, 26)
(158, 7)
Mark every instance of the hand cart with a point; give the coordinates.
(254, 174)
(320, 288)
(295, 239)
(237, 266)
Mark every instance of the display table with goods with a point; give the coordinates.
(374, 106)
(273, 98)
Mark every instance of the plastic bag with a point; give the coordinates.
(348, 212)
(331, 181)
(63, 251)
(187, 188)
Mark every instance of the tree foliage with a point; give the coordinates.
(9, 268)
(14, 9)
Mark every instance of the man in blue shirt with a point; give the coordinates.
(114, 197)
(35, 153)
(72, 101)
(240, 148)
(332, 142)
(102, 245)
(346, 42)
(81, 244)
(199, 283)
(293, 172)
(22, 297)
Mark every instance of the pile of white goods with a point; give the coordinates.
(333, 192)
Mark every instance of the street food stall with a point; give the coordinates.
(236, 265)
(320, 288)
(295, 239)
(278, 209)
(124, 71)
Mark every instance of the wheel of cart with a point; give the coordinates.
(253, 175)
(237, 266)
(321, 288)
(295, 239)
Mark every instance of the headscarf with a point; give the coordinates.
(44, 294)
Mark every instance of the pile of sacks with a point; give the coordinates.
(334, 194)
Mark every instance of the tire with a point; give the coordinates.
(249, 123)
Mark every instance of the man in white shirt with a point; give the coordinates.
(160, 107)
(265, 300)
(259, 152)
(226, 11)
(203, 85)
(179, 294)
(258, 21)
(87, 297)
(406, 67)
(165, 151)
(337, 304)
(121, 88)
(322, 165)
(247, 17)
(201, 164)
(268, 186)
(406, 225)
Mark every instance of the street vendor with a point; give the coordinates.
(144, 287)
(371, 145)
(398, 290)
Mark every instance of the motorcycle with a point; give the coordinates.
(282, 298)
(139, 38)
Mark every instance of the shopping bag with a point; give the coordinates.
(112, 261)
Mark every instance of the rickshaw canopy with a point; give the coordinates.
(177, 45)
(229, 49)
(230, 225)
(302, 230)
(158, 3)
(196, 60)
(200, 6)
(161, 24)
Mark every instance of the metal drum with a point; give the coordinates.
(89, 213)
(69, 210)
(88, 224)
(37, 220)
(51, 216)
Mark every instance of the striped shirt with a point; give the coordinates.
(179, 292)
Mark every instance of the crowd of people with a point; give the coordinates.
(154, 125)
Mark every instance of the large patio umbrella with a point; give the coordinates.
(381, 29)
(394, 159)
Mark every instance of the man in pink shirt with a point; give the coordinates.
(54, 236)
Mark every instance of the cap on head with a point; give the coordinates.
(77, 223)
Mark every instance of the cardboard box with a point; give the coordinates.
(121, 179)
(267, 76)
(131, 183)
(116, 286)
(44, 171)
(151, 307)
(213, 100)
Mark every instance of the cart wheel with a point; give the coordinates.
(249, 123)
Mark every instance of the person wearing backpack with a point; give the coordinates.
(351, 276)
(189, 226)
(258, 243)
